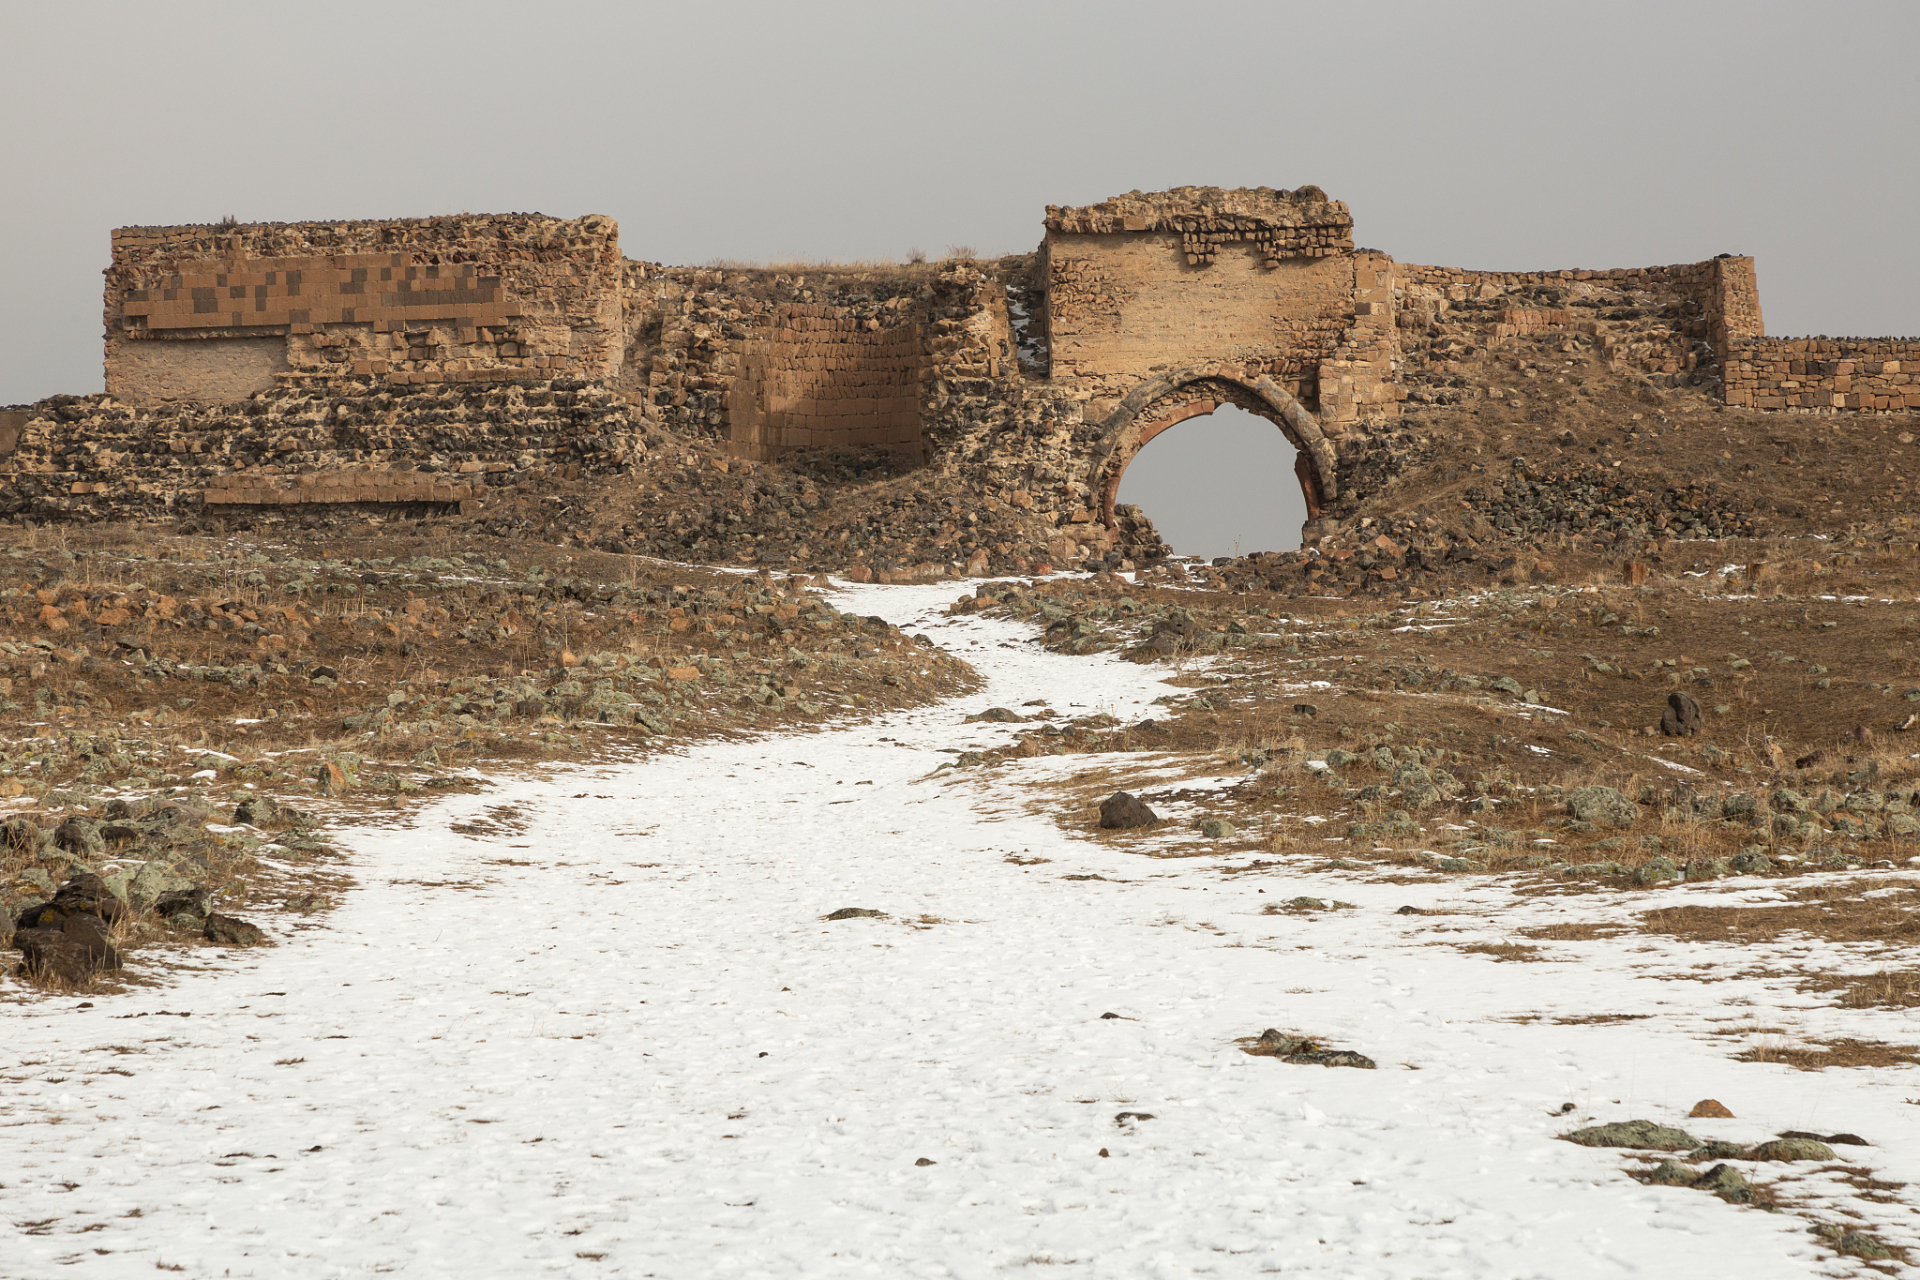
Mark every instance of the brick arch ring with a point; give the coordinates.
(1130, 426)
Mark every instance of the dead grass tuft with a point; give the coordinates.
(1840, 912)
(1820, 1055)
(1499, 950)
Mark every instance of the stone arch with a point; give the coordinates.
(1135, 421)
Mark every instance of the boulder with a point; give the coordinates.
(1601, 805)
(1682, 717)
(1122, 810)
(1710, 1108)
(1635, 1133)
(1792, 1149)
(185, 907)
(232, 931)
(999, 715)
(80, 837)
(70, 952)
(1726, 1182)
(83, 894)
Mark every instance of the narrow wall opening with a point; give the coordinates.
(1219, 485)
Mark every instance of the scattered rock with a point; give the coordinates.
(71, 951)
(1718, 1151)
(84, 894)
(1682, 717)
(1859, 1244)
(1710, 1108)
(1752, 863)
(1792, 1149)
(998, 715)
(1634, 1133)
(187, 908)
(1837, 1139)
(1122, 810)
(232, 931)
(1726, 1182)
(853, 913)
(1669, 1174)
(1811, 759)
(923, 1162)
(1601, 805)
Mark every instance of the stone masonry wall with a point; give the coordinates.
(817, 377)
(1656, 319)
(90, 457)
(1875, 375)
(1260, 278)
(214, 313)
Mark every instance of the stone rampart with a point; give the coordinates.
(215, 313)
(280, 364)
(818, 377)
(1871, 375)
(90, 457)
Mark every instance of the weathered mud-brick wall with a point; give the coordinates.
(1877, 375)
(820, 377)
(1259, 278)
(215, 313)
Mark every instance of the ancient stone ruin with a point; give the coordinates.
(415, 364)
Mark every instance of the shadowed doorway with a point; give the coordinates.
(1219, 485)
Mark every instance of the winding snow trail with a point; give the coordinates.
(622, 1042)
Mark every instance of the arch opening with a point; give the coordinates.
(1217, 479)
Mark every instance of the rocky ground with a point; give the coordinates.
(186, 715)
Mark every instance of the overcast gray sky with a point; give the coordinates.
(1495, 135)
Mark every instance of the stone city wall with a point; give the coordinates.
(277, 364)
(91, 457)
(1259, 278)
(216, 313)
(1658, 320)
(1871, 375)
(816, 378)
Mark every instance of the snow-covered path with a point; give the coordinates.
(616, 1038)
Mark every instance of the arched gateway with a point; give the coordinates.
(1170, 398)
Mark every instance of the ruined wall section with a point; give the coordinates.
(1657, 322)
(1867, 375)
(1256, 277)
(816, 377)
(91, 457)
(216, 313)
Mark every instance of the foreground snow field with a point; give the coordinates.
(613, 1036)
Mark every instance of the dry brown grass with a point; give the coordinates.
(1832, 912)
(1820, 1055)
(1499, 950)
(1575, 931)
(1887, 989)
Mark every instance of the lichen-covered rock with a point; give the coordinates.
(1669, 1174)
(1791, 1149)
(1600, 804)
(1644, 1134)
(1726, 1182)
